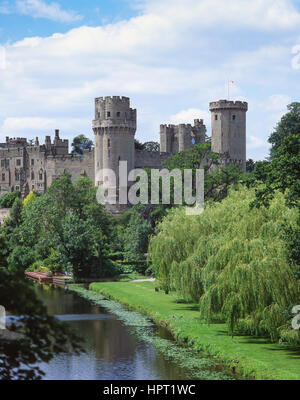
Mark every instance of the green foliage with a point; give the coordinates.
(147, 146)
(234, 262)
(258, 358)
(39, 337)
(280, 174)
(39, 230)
(288, 125)
(151, 146)
(53, 263)
(81, 143)
(250, 164)
(29, 199)
(11, 224)
(7, 200)
(217, 179)
(138, 145)
(21, 258)
(135, 236)
(198, 364)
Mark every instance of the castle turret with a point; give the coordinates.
(175, 138)
(228, 122)
(114, 128)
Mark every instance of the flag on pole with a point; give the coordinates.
(229, 82)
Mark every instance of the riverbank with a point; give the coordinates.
(250, 356)
(187, 362)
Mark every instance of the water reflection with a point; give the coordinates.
(113, 351)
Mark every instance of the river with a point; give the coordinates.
(113, 351)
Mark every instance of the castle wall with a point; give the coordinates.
(76, 165)
(13, 168)
(27, 167)
(150, 159)
(175, 138)
(34, 167)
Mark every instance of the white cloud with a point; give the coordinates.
(12, 124)
(254, 142)
(176, 55)
(31, 127)
(232, 14)
(40, 9)
(278, 102)
(188, 116)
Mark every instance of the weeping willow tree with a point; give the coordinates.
(233, 261)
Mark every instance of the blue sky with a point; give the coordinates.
(171, 57)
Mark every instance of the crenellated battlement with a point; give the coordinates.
(174, 138)
(112, 99)
(114, 111)
(227, 104)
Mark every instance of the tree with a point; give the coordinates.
(81, 143)
(250, 165)
(30, 198)
(289, 124)
(217, 179)
(233, 263)
(11, 224)
(138, 145)
(7, 200)
(283, 173)
(36, 338)
(136, 235)
(151, 146)
(84, 248)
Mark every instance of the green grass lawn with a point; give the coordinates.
(256, 356)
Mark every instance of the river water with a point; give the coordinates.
(112, 350)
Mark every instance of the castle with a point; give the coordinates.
(26, 167)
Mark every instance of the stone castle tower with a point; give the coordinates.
(115, 124)
(114, 128)
(175, 138)
(228, 123)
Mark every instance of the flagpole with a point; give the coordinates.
(228, 91)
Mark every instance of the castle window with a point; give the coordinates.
(32, 187)
(118, 114)
(2, 163)
(108, 142)
(32, 175)
(108, 153)
(41, 176)
(233, 117)
(3, 177)
(18, 162)
(108, 114)
(32, 161)
(17, 187)
(216, 117)
(17, 176)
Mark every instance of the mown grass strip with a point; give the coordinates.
(256, 356)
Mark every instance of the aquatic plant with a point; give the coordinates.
(198, 364)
